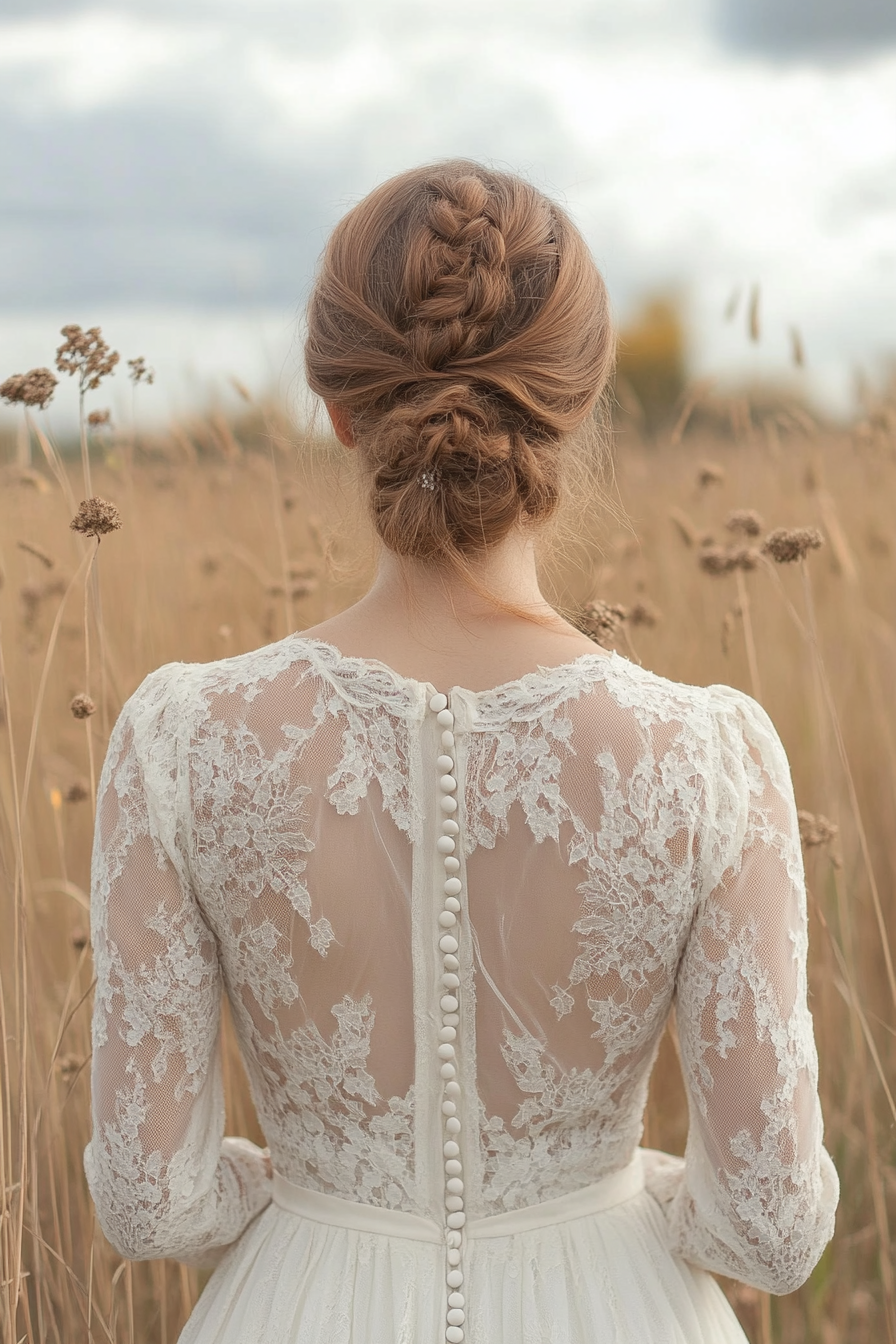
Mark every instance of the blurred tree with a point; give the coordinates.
(652, 362)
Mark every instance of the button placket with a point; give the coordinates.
(448, 929)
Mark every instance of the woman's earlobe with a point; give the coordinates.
(342, 425)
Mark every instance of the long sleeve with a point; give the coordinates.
(756, 1195)
(163, 1180)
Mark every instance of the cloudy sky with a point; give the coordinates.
(170, 171)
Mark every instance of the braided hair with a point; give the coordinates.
(460, 323)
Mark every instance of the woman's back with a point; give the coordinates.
(618, 840)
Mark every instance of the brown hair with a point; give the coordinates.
(460, 322)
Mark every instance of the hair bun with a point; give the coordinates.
(448, 424)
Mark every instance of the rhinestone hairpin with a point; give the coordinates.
(430, 478)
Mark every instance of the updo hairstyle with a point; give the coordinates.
(460, 323)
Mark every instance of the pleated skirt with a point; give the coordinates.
(592, 1267)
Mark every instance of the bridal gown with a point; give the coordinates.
(451, 927)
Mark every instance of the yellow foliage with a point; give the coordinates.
(652, 362)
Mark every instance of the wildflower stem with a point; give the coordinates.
(44, 676)
(87, 588)
(85, 452)
(752, 661)
(281, 543)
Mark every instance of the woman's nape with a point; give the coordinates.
(431, 624)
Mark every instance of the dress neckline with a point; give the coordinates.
(526, 682)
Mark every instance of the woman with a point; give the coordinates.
(454, 867)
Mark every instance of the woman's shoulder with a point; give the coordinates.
(653, 697)
(181, 682)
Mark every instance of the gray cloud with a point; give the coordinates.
(190, 195)
(144, 204)
(826, 29)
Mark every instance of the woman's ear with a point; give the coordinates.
(342, 425)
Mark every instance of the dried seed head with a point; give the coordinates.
(97, 418)
(295, 588)
(140, 372)
(95, 517)
(815, 830)
(86, 354)
(644, 613)
(797, 350)
(746, 521)
(600, 620)
(745, 557)
(82, 706)
(38, 553)
(715, 560)
(68, 1065)
(77, 792)
(35, 388)
(710, 473)
(718, 560)
(785, 545)
(728, 622)
(30, 594)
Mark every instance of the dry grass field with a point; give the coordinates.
(235, 531)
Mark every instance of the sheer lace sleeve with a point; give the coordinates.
(163, 1181)
(756, 1195)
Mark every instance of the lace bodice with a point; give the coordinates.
(269, 827)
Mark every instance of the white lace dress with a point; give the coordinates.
(451, 929)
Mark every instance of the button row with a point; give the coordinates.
(449, 985)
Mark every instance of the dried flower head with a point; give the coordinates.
(710, 473)
(140, 372)
(785, 545)
(715, 560)
(746, 558)
(718, 560)
(30, 389)
(746, 521)
(78, 792)
(82, 706)
(97, 418)
(95, 517)
(644, 613)
(601, 621)
(816, 830)
(86, 354)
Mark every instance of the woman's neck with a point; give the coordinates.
(433, 624)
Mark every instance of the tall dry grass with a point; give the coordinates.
(234, 535)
